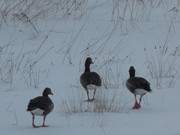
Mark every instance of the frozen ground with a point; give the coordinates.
(159, 115)
(54, 57)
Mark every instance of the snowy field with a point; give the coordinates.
(45, 43)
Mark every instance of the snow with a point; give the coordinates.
(159, 115)
(54, 57)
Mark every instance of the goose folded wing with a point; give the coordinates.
(94, 78)
(38, 102)
(141, 83)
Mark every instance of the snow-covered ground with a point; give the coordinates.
(159, 115)
(144, 36)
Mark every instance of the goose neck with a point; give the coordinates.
(87, 67)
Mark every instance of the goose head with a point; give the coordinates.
(131, 72)
(88, 62)
(47, 91)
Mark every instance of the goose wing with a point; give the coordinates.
(41, 102)
(140, 83)
(90, 78)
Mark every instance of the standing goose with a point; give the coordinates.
(137, 86)
(41, 106)
(90, 80)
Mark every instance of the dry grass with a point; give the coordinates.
(28, 11)
(162, 62)
(131, 13)
(162, 66)
(104, 102)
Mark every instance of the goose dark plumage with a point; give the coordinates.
(41, 106)
(90, 80)
(137, 86)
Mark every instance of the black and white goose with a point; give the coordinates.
(137, 86)
(41, 106)
(90, 80)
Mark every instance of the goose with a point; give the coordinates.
(90, 80)
(137, 86)
(41, 106)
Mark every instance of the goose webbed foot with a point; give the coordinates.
(45, 126)
(136, 106)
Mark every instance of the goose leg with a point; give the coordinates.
(136, 104)
(44, 118)
(33, 117)
(88, 95)
(140, 99)
(94, 94)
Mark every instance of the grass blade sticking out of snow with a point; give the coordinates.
(105, 101)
